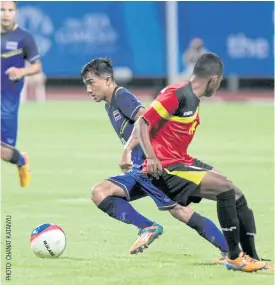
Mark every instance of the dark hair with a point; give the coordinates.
(98, 67)
(207, 65)
(15, 2)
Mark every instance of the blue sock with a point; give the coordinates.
(123, 211)
(208, 230)
(21, 160)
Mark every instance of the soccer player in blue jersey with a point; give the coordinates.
(113, 195)
(17, 46)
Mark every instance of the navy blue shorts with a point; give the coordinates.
(9, 117)
(9, 127)
(137, 186)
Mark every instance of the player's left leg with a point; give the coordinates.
(12, 155)
(109, 196)
(202, 225)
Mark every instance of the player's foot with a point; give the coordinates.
(245, 263)
(145, 237)
(24, 172)
(221, 260)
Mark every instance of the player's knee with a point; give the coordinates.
(105, 189)
(238, 193)
(98, 193)
(226, 184)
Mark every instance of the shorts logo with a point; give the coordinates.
(10, 141)
(117, 115)
(12, 45)
(167, 200)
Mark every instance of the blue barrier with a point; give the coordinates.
(133, 34)
(241, 33)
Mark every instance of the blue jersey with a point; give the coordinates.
(122, 112)
(17, 46)
(136, 185)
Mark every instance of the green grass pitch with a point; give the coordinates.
(72, 146)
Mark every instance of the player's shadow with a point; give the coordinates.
(203, 263)
(261, 272)
(74, 258)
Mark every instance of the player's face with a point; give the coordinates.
(8, 14)
(97, 87)
(212, 86)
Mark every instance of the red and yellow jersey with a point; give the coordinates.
(173, 118)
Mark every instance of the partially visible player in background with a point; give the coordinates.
(12, 155)
(113, 195)
(17, 46)
(34, 87)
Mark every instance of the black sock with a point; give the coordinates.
(15, 154)
(227, 214)
(247, 228)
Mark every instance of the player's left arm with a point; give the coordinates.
(31, 54)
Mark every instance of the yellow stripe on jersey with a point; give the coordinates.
(165, 115)
(11, 53)
(160, 110)
(193, 176)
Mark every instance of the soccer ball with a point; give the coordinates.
(48, 241)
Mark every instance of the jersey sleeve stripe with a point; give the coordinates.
(162, 112)
(118, 89)
(136, 111)
(34, 59)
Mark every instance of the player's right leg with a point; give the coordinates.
(109, 196)
(183, 182)
(12, 155)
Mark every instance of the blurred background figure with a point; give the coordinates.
(190, 56)
(17, 47)
(34, 88)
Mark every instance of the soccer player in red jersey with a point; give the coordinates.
(165, 131)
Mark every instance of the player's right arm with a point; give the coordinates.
(126, 161)
(162, 108)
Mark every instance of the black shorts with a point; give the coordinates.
(180, 181)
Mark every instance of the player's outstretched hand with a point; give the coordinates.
(154, 167)
(126, 161)
(15, 73)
